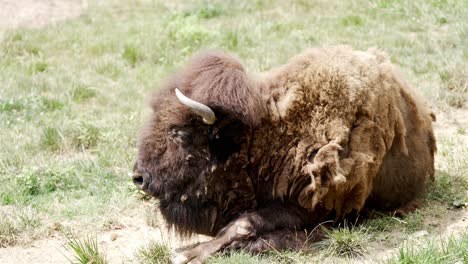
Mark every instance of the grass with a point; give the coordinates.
(346, 241)
(154, 253)
(85, 251)
(450, 250)
(16, 223)
(72, 96)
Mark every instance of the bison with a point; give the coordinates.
(259, 160)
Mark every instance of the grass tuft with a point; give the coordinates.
(14, 221)
(351, 21)
(414, 221)
(131, 55)
(8, 231)
(52, 104)
(11, 105)
(28, 183)
(85, 251)
(154, 253)
(82, 93)
(382, 223)
(50, 138)
(446, 188)
(38, 67)
(86, 136)
(345, 242)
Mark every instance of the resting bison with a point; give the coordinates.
(255, 160)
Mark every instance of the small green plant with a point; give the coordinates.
(11, 105)
(153, 253)
(82, 93)
(87, 136)
(351, 21)
(445, 189)
(131, 54)
(345, 242)
(28, 183)
(85, 251)
(37, 67)
(50, 105)
(50, 138)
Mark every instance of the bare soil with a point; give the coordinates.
(119, 243)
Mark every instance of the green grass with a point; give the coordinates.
(346, 241)
(85, 251)
(451, 250)
(153, 253)
(72, 95)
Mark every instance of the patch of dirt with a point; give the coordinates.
(37, 13)
(119, 244)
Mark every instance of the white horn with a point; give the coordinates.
(198, 108)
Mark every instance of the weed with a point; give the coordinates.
(154, 253)
(85, 251)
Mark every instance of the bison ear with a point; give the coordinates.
(219, 81)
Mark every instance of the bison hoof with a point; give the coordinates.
(197, 254)
(188, 258)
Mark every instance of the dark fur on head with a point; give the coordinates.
(180, 156)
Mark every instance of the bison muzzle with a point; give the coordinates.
(259, 160)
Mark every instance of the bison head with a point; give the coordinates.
(201, 119)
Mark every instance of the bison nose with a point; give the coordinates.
(138, 180)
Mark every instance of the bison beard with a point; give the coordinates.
(258, 162)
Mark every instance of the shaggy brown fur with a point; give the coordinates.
(331, 132)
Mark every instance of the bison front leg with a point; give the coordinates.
(278, 240)
(248, 228)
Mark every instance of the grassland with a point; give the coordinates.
(72, 97)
